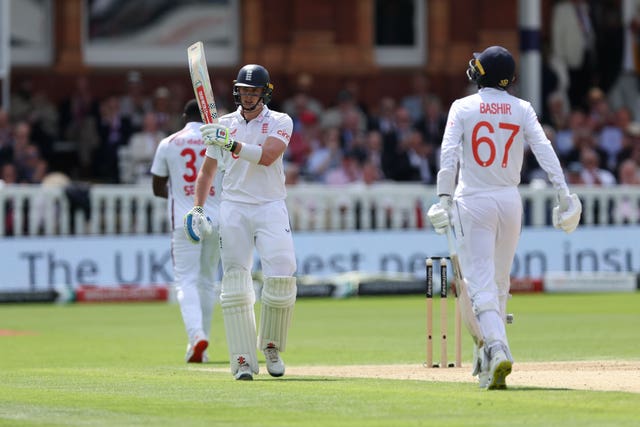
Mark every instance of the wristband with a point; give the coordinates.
(251, 153)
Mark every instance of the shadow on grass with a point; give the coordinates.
(298, 379)
(528, 388)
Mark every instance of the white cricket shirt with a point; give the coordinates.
(485, 134)
(248, 182)
(179, 157)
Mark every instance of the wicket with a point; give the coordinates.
(443, 317)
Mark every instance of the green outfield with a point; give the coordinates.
(122, 365)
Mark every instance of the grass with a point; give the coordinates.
(121, 365)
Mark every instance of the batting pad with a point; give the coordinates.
(278, 299)
(468, 315)
(237, 300)
(502, 299)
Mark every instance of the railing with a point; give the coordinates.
(30, 210)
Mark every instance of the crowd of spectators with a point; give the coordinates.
(591, 112)
(112, 140)
(101, 140)
(594, 128)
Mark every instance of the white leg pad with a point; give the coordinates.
(278, 300)
(480, 360)
(468, 315)
(494, 330)
(503, 306)
(237, 300)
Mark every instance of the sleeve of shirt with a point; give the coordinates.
(214, 152)
(283, 129)
(450, 152)
(543, 151)
(159, 165)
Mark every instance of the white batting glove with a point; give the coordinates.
(197, 225)
(216, 134)
(566, 215)
(438, 214)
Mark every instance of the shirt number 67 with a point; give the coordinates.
(477, 141)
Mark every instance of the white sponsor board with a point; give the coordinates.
(39, 263)
(561, 281)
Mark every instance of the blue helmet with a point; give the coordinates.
(253, 75)
(494, 67)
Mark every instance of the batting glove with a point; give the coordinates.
(216, 134)
(566, 215)
(197, 225)
(438, 214)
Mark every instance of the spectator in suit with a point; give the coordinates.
(592, 174)
(142, 146)
(30, 166)
(573, 43)
(8, 175)
(78, 124)
(433, 122)
(6, 148)
(134, 104)
(626, 210)
(114, 130)
(383, 117)
(395, 158)
(415, 102)
(625, 91)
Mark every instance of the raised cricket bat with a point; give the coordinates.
(463, 306)
(202, 87)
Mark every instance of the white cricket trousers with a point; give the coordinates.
(488, 230)
(195, 269)
(264, 227)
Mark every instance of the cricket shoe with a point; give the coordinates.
(244, 372)
(481, 364)
(196, 351)
(275, 365)
(499, 368)
(483, 379)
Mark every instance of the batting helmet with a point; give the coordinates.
(253, 75)
(494, 67)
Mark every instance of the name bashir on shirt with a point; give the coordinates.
(495, 108)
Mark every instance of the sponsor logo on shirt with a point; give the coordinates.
(179, 142)
(284, 134)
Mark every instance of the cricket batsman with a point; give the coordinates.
(480, 164)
